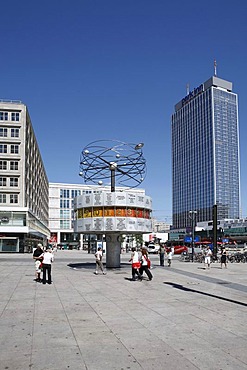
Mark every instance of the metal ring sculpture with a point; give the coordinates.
(105, 160)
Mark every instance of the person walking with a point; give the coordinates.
(223, 257)
(208, 254)
(98, 259)
(37, 256)
(169, 258)
(162, 252)
(48, 258)
(145, 264)
(134, 259)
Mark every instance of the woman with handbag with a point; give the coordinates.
(145, 264)
(134, 259)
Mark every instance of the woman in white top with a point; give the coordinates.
(135, 264)
(144, 264)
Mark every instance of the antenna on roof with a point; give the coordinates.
(188, 88)
(215, 66)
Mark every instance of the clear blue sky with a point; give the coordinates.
(114, 69)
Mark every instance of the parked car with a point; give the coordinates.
(178, 249)
(153, 248)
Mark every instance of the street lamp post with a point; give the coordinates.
(192, 216)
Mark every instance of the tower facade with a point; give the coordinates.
(205, 153)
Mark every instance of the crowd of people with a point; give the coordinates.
(140, 262)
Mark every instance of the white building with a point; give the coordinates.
(23, 182)
(160, 226)
(61, 212)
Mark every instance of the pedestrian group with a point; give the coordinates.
(43, 260)
(140, 262)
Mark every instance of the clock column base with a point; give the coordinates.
(113, 249)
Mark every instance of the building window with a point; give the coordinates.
(64, 193)
(3, 148)
(3, 116)
(15, 116)
(65, 213)
(64, 224)
(3, 181)
(75, 193)
(13, 198)
(13, 181)
(2, 198)
(14, 149)
(14, 165)
(3, 165)
(15, 132)
(64, 203)
(3, 132)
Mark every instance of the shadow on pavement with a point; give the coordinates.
(181, 287)
(90, 265)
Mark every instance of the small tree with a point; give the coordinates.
(138, 239)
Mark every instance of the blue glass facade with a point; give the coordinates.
(205, 154)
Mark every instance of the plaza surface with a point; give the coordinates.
(185, 318)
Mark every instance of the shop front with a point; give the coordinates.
(9, 244)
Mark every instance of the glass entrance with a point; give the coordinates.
(9, 245)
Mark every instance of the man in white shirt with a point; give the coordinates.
(208, 255)
(98, 260)
(48, 258)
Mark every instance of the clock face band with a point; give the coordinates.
(107, 212)
(113, 212)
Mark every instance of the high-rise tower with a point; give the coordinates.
(205, 153)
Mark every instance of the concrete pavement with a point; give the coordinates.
(185, 318)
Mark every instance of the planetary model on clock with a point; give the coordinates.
(115, 161)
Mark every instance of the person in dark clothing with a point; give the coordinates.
(223, 258)
(37, 256)
(162, 252)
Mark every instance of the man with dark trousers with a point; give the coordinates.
(48, 258)
(162, 252)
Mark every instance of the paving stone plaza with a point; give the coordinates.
(185, 318)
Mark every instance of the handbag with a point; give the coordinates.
(136, 265)
(148, 261)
